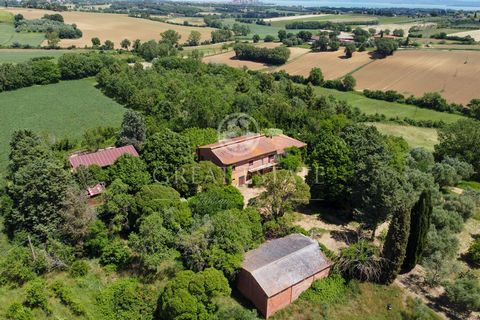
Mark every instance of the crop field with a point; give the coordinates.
(389, 109)
(114, 27)
(402, 26)
(344, 18)
(333, 64)
(228, 58)
(65, 109)
(416, 137)
(193, 21)
(452, 73)
(475, 34)
(262, 31)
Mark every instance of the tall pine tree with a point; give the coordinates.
(421, 218)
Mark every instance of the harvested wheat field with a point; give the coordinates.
(229, 58)
(333, 64)
(114, 27)
(475, 34)
(452, 73)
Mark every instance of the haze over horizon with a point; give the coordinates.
(434, 4)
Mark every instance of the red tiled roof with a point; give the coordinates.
(249, 147)
(96, 190)
(102, 158)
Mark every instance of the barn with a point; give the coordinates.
(275, 274)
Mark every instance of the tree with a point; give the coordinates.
(133, 130)
(331, 168)
(108, 45)
(193, 178)
(460, 140)
(194, 38)
(282, 35)
(200, 137)
(38, 192)
(445, 175)
(153, 243)
(421, 217)
(284, 191)
(170, 37)
(165, 152)
(474, 107)
(96, 42)
(45, 72)
(216, 199)
(316, 77)
(25, 148)
(398, 33)
(130, 170)
(125, 44)
(256, 38)
(321, 44)
(386, 47)
(268, 38)
(334, 45)
(395, 246)
(193, 295)
(349, 50)
(52, 39)
(349, 83)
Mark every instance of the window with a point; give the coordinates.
(271, 158)
(233, 168)
(250, 163)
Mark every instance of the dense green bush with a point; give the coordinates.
(65, 295)
(193, 178)
(127, 299)
(17, 266)
(17, 311)
(36, 295)
(328, 290)
(464, 293)
(115, 254)
(473, 254)
(193, 295)
(215, 200)
(79, 268)
(275, 56)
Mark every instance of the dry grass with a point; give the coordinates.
(416, 137)
(473, 33)
(114, 27)
(229, 58)
(452, 73)
(333, 64)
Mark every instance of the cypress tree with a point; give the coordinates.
(396, 244)
(421, 217)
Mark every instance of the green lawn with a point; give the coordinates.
(389, 109)
(8, 36)
(344, 18)
(262, 31)
(416, 137)
(59, 110)
(21, 55)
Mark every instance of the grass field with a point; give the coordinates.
(114, 27)
(369, 303)
(58, 110)
(416, 137)
(344, 18)
(20, 55)
(389, 109)
(8, 36)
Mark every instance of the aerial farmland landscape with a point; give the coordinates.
(239, 160)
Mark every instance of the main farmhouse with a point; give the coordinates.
(248, 155)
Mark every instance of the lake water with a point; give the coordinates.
(438, 4)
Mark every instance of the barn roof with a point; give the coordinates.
(244, 148)
(281, 263)
(102, 158)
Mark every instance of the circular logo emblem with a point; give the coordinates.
(238, 126)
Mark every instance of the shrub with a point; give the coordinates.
(36, 295)
(473, 254)
(16, 267)
(79, 269)
(464, 293)
(65, 295)
(215, 200)
(115, 254)
(360, 261)
(126, 299)
(17, 311)
(275, 56)
(328, 290)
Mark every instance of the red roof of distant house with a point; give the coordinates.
(96, 190)
(248, 147)
(102, 158)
